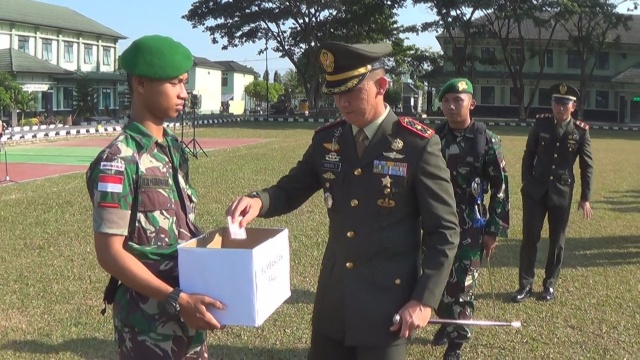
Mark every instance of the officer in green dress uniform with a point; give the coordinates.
(393, 228)
(554, 143)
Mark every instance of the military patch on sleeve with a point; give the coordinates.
(330, 125)
(582, 125)
(417, 127)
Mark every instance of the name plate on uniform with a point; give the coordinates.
(390, 168)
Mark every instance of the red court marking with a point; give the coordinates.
(206, 143)
(20, 172)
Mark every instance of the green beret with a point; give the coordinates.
(346, 65)
(156, 57)
(458, 86)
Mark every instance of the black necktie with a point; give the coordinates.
(361, 137)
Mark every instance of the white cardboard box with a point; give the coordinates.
(251, 277)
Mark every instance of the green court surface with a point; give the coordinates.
(52, 155)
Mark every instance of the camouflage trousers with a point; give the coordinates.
(153, 346)
(457, 300)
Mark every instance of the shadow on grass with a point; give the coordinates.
(579, 252)
(299, 296)
(230, 352)
(624, 202)
(86, 348)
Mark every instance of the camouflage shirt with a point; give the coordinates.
(459, 149)
(135, 168)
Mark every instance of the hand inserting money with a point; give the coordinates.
(235, 231)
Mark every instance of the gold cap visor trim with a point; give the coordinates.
(349, 74)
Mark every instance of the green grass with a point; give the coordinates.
(52, 285)
(52, 154)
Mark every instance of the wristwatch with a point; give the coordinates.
(253, 195)
(171, 304)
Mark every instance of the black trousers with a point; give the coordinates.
(534, 212)
(327, 348)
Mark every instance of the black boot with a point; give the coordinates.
(440, 337)
(453, 351)
(522, 294)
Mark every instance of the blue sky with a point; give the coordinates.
(135, 18)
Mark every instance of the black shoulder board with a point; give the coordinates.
(544, 116)
(582, 124)
(330, 125)
(417, 127)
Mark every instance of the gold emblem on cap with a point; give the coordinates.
(327, 60)
(563, 89)
(462, 85)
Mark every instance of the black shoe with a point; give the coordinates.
(440, 337)
(547, 294)
(453, 351)
(522, 294)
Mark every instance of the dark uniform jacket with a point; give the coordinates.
(547, 164)
(383, 210)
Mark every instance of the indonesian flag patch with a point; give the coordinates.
(110, 183)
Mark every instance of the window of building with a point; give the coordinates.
(574, 60)
(549, 58)
(106, 97)
(88, 54)
(487, 95)
(68, 52)
(106, 56)
(602, 60)
(67, 98)
(225, 79)
(47, 50)
(513, 96)
(517, 55)
(23, 44)
(544, 97)
(602, 99)
(487, 53)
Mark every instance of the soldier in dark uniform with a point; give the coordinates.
(554, 143)
(474, 157)
(393, 228)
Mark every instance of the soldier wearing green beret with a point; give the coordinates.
(143, 207)
(475, 159)
(388, 196)
(554, 144)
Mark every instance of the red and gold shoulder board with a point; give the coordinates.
(417, 127)
(582, 124)
(330, 125)
(544, 116)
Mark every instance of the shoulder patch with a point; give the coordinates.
(544, 116)
(330, 125)
(582, 124)
(417, 127)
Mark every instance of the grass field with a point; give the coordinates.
(51, 292)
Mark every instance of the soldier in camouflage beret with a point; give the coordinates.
(387, 195)
(476, 162)
(143, 207)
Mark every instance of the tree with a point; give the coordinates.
(8, 89)
(455, 20)
(265, 76)
(592, 26)
(24, 101)
(85, 99)
(277, 78)
(413, 62)
(393, 97)
(291, 81)
(296, 28)
(257, 90)
(512, 23)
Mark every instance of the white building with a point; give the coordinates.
(235, 77)
(48, 47)
(205, 79)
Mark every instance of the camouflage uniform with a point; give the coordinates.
(459, 151)
(137, 170)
